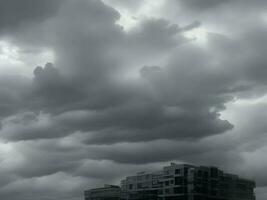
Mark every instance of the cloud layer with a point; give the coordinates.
(111, 96)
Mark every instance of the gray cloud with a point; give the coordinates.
(113, 96)
(130, 4)
(12, 90)
(16, 14)
(211, 5)
(202, 4)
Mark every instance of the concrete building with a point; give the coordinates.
(108, 192)
(187, 182)
(142, 186)
(179, 182)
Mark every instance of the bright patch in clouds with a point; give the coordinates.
(8, 53)
(130, 18)
(199, 35)
(15, 60)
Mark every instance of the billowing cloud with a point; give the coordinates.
(111, 96)
(17, 14)
(202, 4)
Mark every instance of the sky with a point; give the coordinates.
(92, 91)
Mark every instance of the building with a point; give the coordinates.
(142, 186)
(108, 192)
(182, 182)
(177, 182)
(187, 182)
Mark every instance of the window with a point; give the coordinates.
(214, 173)
(177, 171)
(130, 186)
(199, 189)
(185, 171)
(167, 183)
(185, 190)
(213, 192)
(198, 181)
(178, 190)
(206, 175)
(178, 180)
(213, 183)
(199, 173)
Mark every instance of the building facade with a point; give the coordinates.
(108, 192)
(185, 182)
(142, 186)
(188, 182)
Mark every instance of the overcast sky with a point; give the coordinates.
(92, 91)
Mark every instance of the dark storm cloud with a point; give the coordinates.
(12, 89)
(164, 108)
(155, 34)
(47, 161)
(238, 151)
(130, 4)
(113, 96)
(83, 89)
(210, 5)
(202, 4)
(225, 16)
(246, 54)
(170, 110)
(50, 89)
(15, 14)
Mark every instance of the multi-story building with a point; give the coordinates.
(186, 182)
(177, 182)
(108, 192)
(142, 186)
